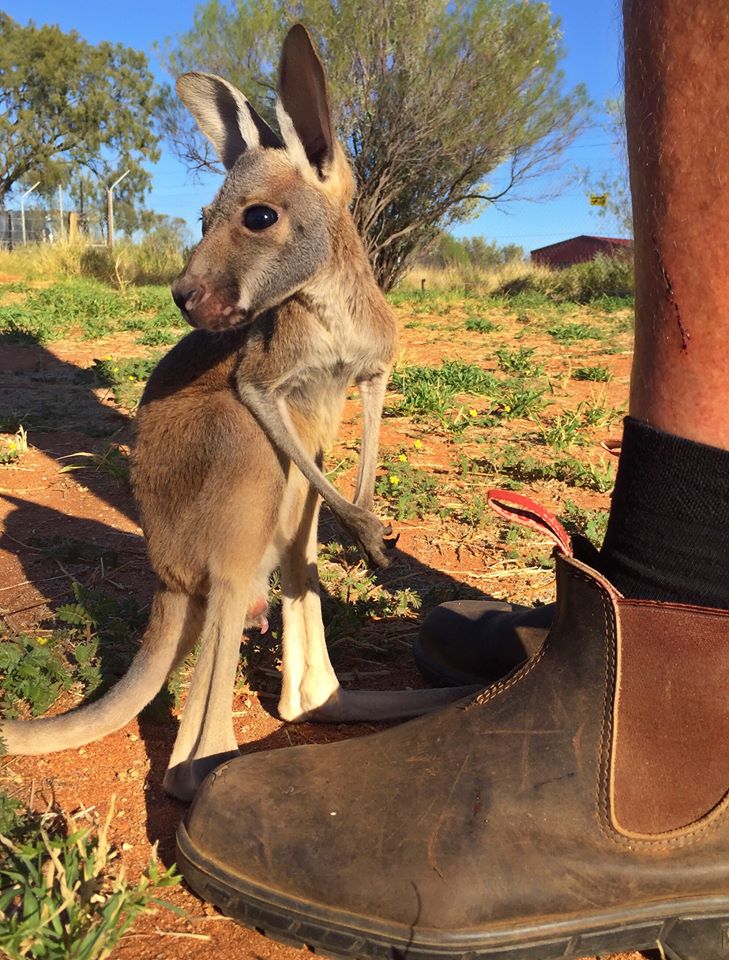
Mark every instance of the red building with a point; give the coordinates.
(580, 249)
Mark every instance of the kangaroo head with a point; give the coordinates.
(269, 229)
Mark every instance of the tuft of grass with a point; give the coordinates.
(564, 430)
(519, 361)
(352, 598)
(598, 374)
(114, 462)
(432, 390)
(63, 894)
(125, 377)
(571, 332)
(12, 448)
(590, 523)
(480, 325)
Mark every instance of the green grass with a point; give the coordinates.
(568, 470)
(519, 361)
(572, 332)
(480, 325)
(89, 648)
(63, 895)
(590, 523)
(352, 597)
(410, 491)
(432, 391)
(565, 430)
(125, 377)
(597, 374)
(91, 309)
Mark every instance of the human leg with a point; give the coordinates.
(668, 536)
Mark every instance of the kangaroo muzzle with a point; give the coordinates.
(206, 305)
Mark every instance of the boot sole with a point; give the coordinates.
(695, 929)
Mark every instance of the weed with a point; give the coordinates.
(595, 413)
(352, 598)
(33, 673)
(90, 652)
(481, 325)
(125, 377)
(432, 390)
(570, 471)
(590, 523)
(519, 361)
(410, 491)
(158, 338)
(570, 332)
(516, 401)
(114, 462)
(63, 894)
(13, 448)
(598, 374)
(563, 431)
(472, 512)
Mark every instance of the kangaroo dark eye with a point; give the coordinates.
(259, 217)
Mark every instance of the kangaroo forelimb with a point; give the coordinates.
(273, 415)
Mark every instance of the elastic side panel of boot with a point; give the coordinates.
(670, 762)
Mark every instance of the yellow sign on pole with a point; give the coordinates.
(598, 199)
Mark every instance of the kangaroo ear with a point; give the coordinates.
(225, 116)
(303, 109)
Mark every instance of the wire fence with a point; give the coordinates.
(49, 226)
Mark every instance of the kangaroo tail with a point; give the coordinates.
(171, 632)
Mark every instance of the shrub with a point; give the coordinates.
(603, 277)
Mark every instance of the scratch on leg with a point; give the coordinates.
(685, 335)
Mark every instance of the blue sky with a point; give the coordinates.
(591, 32)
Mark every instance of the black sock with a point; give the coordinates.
(668, 532)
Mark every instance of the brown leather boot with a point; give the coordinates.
(579, 807)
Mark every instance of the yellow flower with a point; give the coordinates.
(41, 641)
(393, 480)
(402, 458)
(507, 408)
(473, 412)
(130, 378)
(418, 444)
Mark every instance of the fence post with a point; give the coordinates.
(22, 209)
(110, 211)
(60, 211)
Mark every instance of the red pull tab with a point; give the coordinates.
(520, 509)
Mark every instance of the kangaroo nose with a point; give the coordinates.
(187, 296)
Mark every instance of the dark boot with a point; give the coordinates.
(478, 641)
(579, 807)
